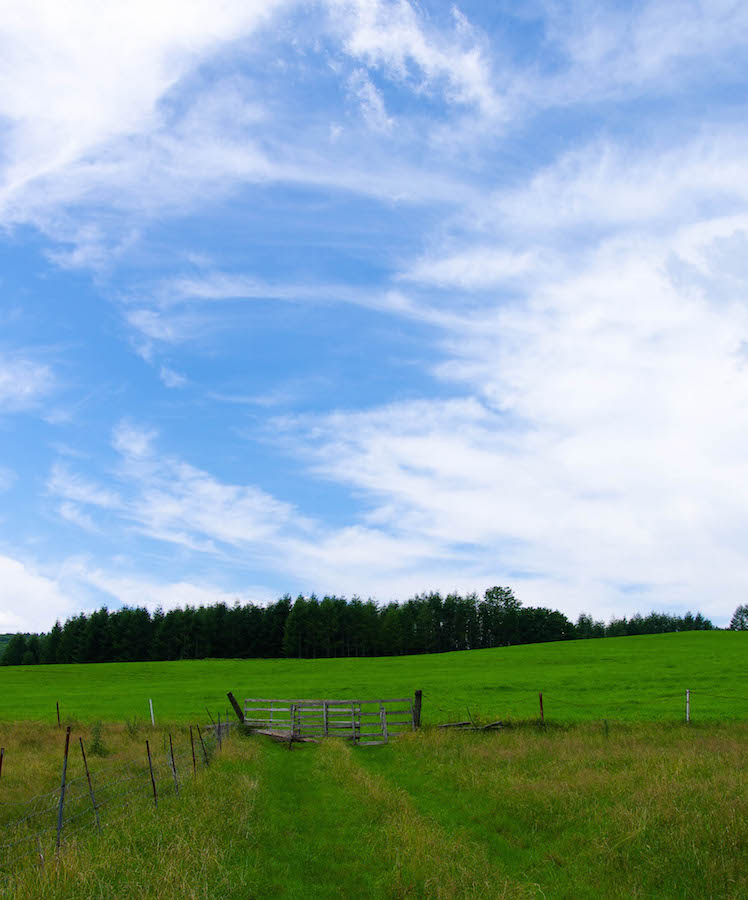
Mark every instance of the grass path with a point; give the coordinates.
(327, 827)
(639, 811)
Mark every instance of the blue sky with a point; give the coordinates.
(373, 297)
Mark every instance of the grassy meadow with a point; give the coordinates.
(628, 679)
(614, 797)
(577, 812)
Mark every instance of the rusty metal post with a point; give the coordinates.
(62, 789)
(173, 766)
(153, 780)
(202, 744)
(90, 785)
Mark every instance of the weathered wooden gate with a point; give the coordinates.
(362, 721)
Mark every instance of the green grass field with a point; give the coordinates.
(655, 811)
(616, 797)
(628, 679)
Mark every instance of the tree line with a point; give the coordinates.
(309, 627)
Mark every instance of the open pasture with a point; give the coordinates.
(626, 679)
(579, 812)
(615, 797)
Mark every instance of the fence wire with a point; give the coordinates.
(32, 836)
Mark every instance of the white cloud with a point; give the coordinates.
(73, 513)
(607, 446)
(393, 35)
(170, 500)
(79, 489)
(29, 601)
(172, 379)
(662, 46)
(474, 268)
(370, 101)
(23, 383)
(151, 593)
(74, 78)
(133, 441)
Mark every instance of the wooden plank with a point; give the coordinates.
(345, 703)
(366, 721)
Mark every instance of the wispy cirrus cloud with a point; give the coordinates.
(24, 382)
(550, 207)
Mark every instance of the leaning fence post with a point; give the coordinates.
(417, 709)
(202, 744)
(153, 780)
(192, 745)
(57, 703)
(173, 766)
(237, 708)
(62, 788)
(90, 785)
(688, 706)
(150, 706)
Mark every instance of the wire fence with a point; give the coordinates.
(686, 706)
(36, 829)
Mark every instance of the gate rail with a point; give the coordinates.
(365, 722)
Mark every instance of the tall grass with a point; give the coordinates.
(570, 812)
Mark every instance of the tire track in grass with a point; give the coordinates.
(415, 856)
(312, 839)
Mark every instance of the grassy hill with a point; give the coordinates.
(639, 806)
(628, 679)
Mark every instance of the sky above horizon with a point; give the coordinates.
(372, 297)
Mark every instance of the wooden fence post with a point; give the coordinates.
(417, 709)
(383, 721)
(62, 788)
(90, 785)
(153, 780)
(542, 714)
(237, 708)
(292, 726)
(202, 744)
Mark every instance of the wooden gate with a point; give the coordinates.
(365, 722)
